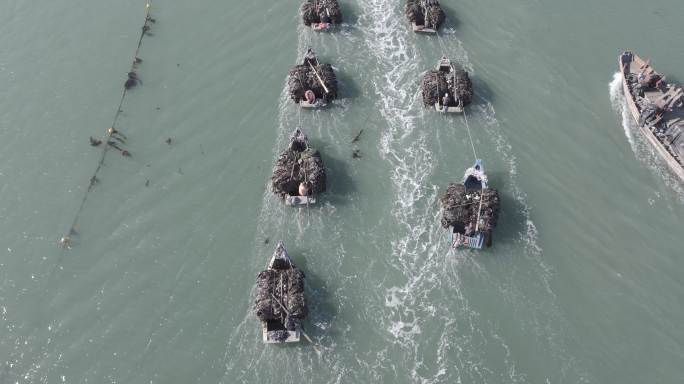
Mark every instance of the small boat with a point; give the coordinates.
(280, 303)
(321, 15)
(312, 84)
(299, 174)
(470, 210)
(425, 16)
(447, 88)
(657, 107)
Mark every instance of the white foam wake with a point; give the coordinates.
(617, 100)
(418, 249)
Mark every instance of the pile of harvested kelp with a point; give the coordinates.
(275, 286)
(312, 76)
(426, 13)
(298, 164)
(321, 11)
(456, 84)
(460, 208)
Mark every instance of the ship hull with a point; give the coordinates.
(625, 68)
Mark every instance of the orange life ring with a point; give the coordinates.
(310, 96)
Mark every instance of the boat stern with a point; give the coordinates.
(299, 201)
(422, 29)
(280, 336)
(452, 109)
(458, 240)
(316, 104)
(322, 27)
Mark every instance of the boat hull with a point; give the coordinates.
(298, 201)
(314, 105)
(454, 109)
(321, 27)
(672, 163)
(423, 30)
(267, 338)
(458, 240)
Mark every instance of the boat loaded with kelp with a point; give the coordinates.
(280, 303)
(311, 83)
(425, 16)
(321, 15)
(447, 88)
(657, 107)
(299, 174)
(470, 209)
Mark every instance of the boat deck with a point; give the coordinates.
(653, 95)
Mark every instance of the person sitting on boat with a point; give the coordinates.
(304, 189)
(310, 96)
(445, 102)
(470, 229)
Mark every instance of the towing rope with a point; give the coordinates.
(470, 137)
(442, 46)
(111, 132)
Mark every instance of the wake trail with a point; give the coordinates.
(419, 249)
(313, 237)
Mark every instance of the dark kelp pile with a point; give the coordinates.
(426, 13)
(321, 11)
(298, 164)
(462, 207)
(315, 77)
(455, 84)
(276, 286)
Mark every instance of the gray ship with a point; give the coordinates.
(657, 107)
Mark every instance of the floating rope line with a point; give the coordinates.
(111, 133)
(299, 115)
(465, 118)
(442, 46)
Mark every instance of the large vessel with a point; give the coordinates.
(657, 107)
(470, 210)
(280, 304)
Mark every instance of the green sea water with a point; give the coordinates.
(583, 283)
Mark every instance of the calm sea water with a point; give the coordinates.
(583, 284)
